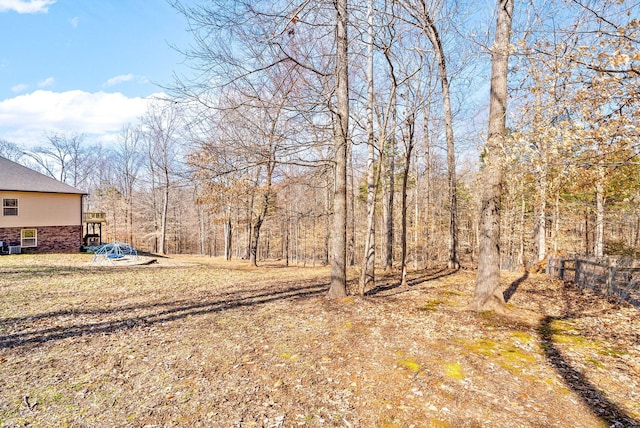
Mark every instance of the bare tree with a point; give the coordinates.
(339, 261)
(367, 270)
(66, 158)
(424, 20)
(487, 295)
(409, 142)
(161, 123)
(389, 157)
(11, 151)
(127, 163)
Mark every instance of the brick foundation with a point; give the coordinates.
(51, 239)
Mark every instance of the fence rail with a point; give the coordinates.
(609, 277)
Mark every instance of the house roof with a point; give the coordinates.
(18, 178)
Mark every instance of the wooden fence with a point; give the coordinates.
(611, 277)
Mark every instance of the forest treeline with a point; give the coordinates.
(375, 132)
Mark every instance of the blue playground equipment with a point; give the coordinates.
(114, 252)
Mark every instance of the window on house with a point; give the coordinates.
(29, 237)
(9, 206)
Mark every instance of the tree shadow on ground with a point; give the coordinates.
(156, 305)
(394, 281)
(159, 313)
(608, 411)
(509, 292)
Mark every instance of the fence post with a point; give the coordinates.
(561, 269)
(577, 274)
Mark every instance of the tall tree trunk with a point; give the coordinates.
(434, 38)
(248, 230)
(130, 216)
(367, 276)
(228, 238)
(598, 245)
(205, 237)
(165, 212)
(287, 239)
(388, 196)
(487, 295)
(352, 210)
(511, 227)
(427, 177)
(540, 170)
(249, 226)
(422, 15)
(257, 225)
(454, 257)
(521, 257)
(636, 240)
(587, 242)
(541, 217)
(405, 178)
(255, 239)
(416, 216)
(154, 204)
(264, 208)
(327, 225)
(389, 175)
(556, 222)
(338, 286)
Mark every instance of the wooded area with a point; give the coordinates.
(360, 134)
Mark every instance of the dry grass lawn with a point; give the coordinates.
(195, 341)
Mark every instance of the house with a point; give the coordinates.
(39, 214)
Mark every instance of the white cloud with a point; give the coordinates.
(21, 87)
(75, 21)
(46, 82)
(116, 80)
(26, 118)
(26, 6)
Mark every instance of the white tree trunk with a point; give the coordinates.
(541, 220)
(367, 276)
(598, 246)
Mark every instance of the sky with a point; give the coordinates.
(83, 66)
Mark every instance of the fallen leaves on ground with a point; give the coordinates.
(195, 341)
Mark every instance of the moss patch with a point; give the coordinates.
(453, 371)
(431, 305)
(410, 364)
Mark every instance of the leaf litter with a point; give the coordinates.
(196, 341)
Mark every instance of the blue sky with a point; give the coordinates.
(85, 66)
